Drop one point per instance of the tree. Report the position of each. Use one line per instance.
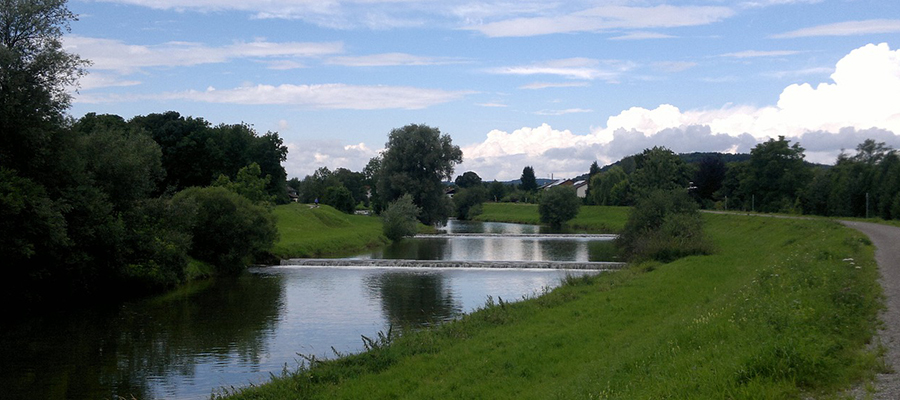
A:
(610, 188)
(467, 202)
(400, 218)
(416, 160)
(658, 168)
(558, 205)
(529, 182)
(340, 198)
(468, 179)
(249, 183)
(496, 191)
(35, 77)
(774, 176)
(709, 177)
(229, 230)
(663, 226)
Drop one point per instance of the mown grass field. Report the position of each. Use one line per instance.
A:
(782, 309)
(594, 219)
(323, 231)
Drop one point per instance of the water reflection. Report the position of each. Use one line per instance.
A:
(148, 349)
(412, 299)
(500, 248)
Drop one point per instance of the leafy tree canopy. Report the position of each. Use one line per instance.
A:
(416, 160)
(529, 182)
(467, 180)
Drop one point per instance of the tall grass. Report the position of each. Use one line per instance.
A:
(784, 309)
(323, 231)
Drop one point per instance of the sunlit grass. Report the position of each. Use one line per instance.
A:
(783, 309)
(323, 231)
(595, 219)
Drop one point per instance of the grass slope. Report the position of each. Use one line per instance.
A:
(784, 309)
(595, 219)
(323, 231)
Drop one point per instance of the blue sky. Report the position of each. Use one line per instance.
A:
(555, 85)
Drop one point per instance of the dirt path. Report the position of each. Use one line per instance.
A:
(887, 254)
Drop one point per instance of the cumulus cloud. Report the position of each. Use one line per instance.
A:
(860, 102)
(305, 157)
(328, 96)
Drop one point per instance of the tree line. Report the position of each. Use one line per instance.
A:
(774, 178)
(100, 206)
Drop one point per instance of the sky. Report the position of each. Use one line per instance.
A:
(555, 85)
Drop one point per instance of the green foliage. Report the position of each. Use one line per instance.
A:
(467, 180)
(400, 218)
(756, 320)
(529, 182)
(558, 205)
(157, 244)
(658, 169)
(496, 191)
(249, 183)
(323, 231)
(610, 188)
(467, 202)
(416, 160)
(772, 179)
(340, 198)
(664, 226)
(229, 229)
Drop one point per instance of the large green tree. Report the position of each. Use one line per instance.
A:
(772, 179)
(417, 159)
(35, 76)
(529, 182)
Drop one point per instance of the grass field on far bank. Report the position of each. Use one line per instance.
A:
(593, 219)
(782, 309)
(323, 231)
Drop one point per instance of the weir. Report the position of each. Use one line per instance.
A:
(520, 235)
(344, 262)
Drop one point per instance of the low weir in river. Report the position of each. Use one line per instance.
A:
(389, 263)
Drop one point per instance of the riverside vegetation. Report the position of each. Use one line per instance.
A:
(782, 309)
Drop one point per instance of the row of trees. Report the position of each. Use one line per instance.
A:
(774, 178)
(101, 205)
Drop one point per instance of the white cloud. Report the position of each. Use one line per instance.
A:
(547, 85)
(861, 100)
(757, 53)
(329, 96)
(107, 54)
(606, 18)
(849, 28)
(305, 157)
(390, 59)
(99, 80)
(564, 112)
(572, 68)
(641, 35)
(674, 66)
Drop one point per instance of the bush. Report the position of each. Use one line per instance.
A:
(230, 230)
(400, 218)
(467, 202)
(558, 205)
(340, 198)
(664, 226)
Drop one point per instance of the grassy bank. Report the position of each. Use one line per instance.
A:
(594, 219)
(783, 309)
(323, 231)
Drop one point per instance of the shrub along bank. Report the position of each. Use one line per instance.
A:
(783, 309)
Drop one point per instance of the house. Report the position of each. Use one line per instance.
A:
(580, 186)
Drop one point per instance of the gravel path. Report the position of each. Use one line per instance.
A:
(887, 254)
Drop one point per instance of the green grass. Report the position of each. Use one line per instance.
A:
(594, 219)
(323, 231)
(783, 309)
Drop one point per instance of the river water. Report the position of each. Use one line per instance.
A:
(236, 331)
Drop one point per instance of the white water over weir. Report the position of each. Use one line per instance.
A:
(357, 263)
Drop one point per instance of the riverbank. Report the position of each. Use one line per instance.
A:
(783, 309)
(590, 219)
(306, 231)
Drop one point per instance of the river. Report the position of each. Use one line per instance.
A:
(237, 331)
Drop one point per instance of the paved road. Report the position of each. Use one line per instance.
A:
(887, 254)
